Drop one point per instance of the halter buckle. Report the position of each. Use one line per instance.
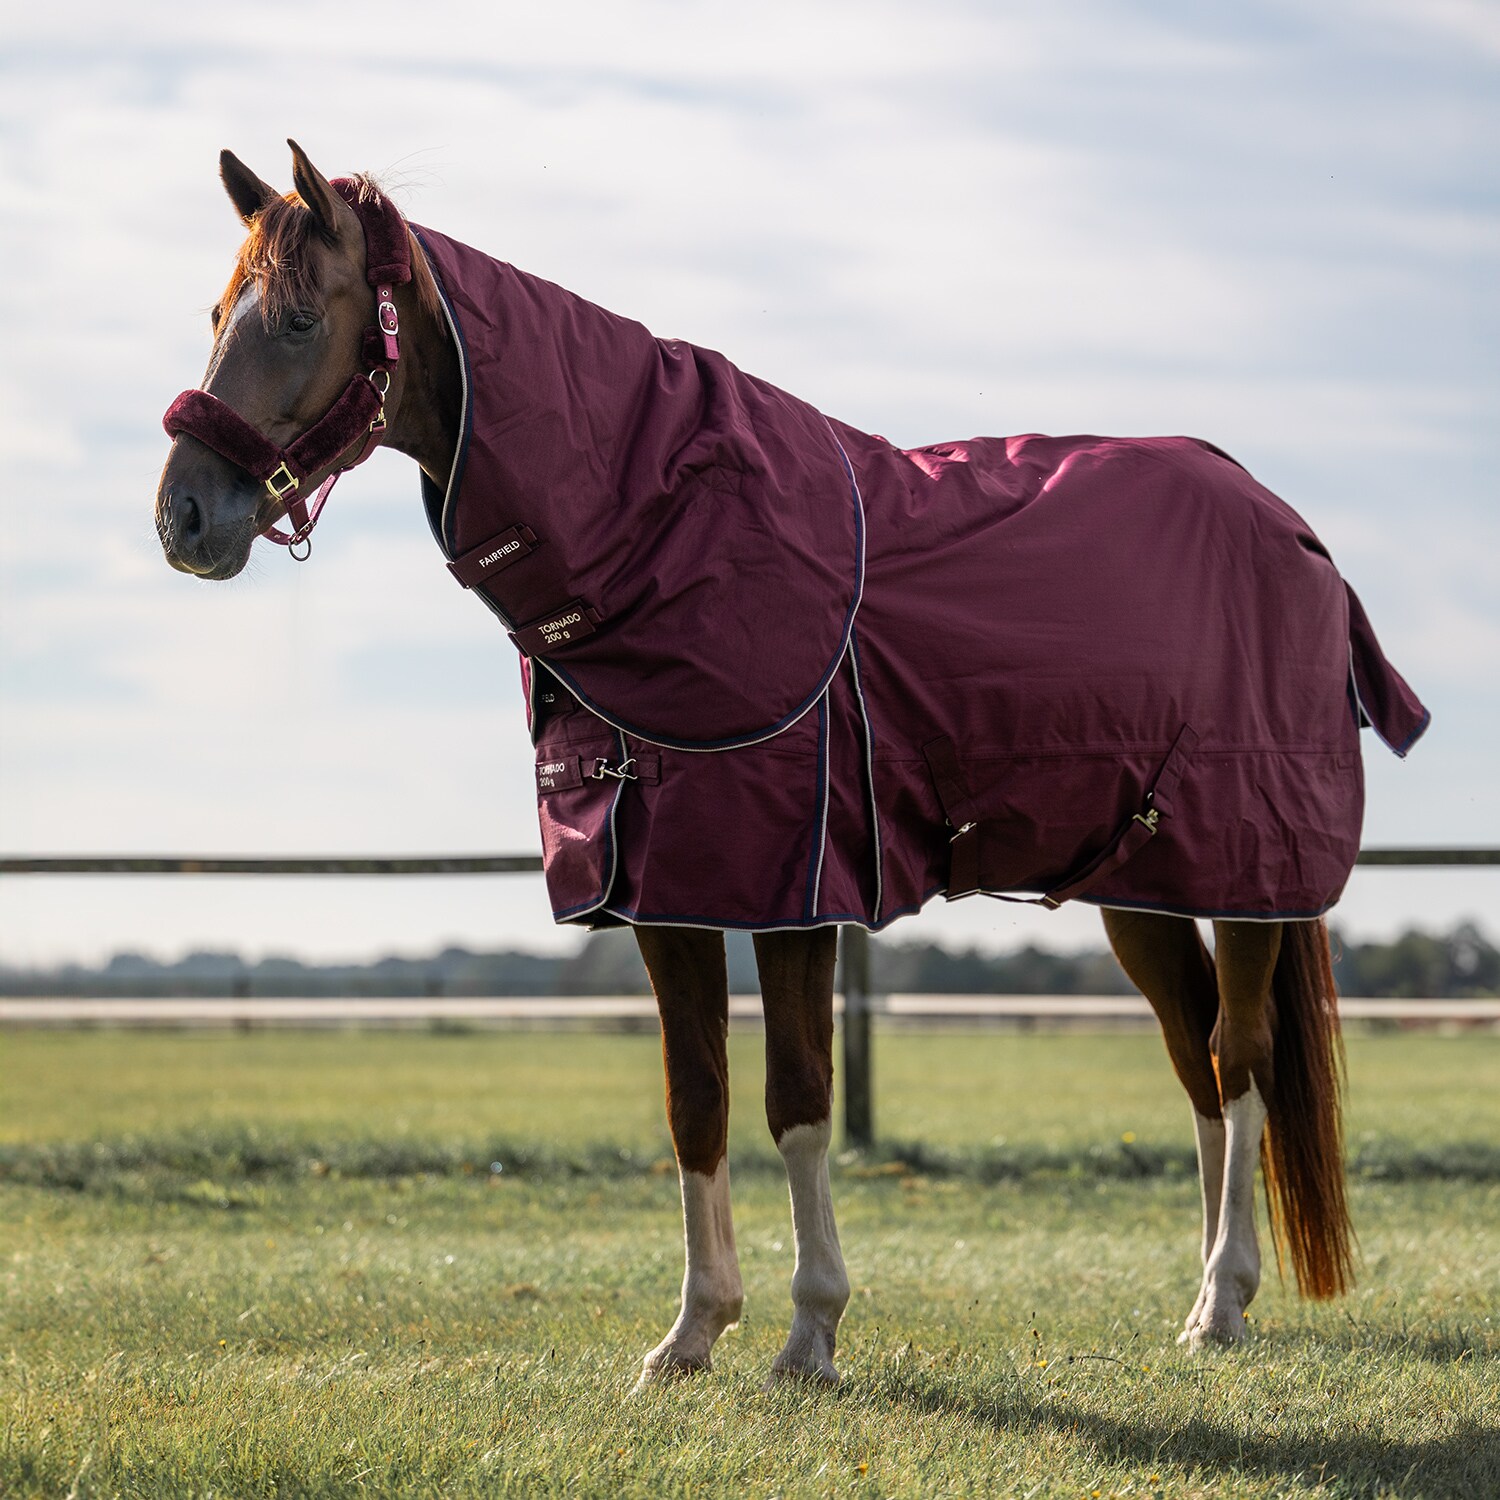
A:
(283, 483)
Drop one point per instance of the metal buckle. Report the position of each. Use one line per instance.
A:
(388, 318)
(962, 831)
(1150, 819)
(622, 772)
(378, 425)
(291, 485)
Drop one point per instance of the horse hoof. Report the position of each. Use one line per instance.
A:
(667, 1364)
(821, 1377)
(1215, 1333)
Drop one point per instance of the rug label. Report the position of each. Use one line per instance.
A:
(493, 556)
(571, 622)
(558, 774)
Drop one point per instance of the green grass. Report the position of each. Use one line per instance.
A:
(281, 1264)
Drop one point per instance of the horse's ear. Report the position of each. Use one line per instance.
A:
(313, 188)
(246, 191)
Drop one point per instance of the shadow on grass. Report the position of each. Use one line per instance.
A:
(1461, 1466)
(171, 1166)
(1446, 1345)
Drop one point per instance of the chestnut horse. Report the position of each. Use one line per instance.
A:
(1251, 1029)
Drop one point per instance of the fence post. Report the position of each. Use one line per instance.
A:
(854, 981)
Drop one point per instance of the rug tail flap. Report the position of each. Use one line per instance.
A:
(1386, 701)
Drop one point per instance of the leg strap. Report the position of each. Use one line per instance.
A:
(965, 870)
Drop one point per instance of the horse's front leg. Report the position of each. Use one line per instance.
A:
(692, 993)
(796, 981)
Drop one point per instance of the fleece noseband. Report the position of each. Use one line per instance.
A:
(359, 410)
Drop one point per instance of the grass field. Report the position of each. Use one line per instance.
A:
(419, 1264)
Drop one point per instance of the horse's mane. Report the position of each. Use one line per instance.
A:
(274, 257)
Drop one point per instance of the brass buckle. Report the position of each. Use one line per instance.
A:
(1150, 819)
(290, 485)
(381, 387)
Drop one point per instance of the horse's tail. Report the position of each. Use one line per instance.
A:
(1302, 1152)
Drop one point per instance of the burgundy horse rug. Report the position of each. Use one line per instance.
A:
(782, 673)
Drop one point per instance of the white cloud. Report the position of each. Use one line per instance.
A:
(1266, 227)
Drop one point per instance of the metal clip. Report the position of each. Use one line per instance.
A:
(962, 831)
(622, 772)
(1150, 819)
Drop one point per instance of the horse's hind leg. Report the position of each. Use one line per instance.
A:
(796, 980)
(692, 993)
(1244, 1043)
(1167, 961)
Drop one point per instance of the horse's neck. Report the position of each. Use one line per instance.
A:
(425, 426)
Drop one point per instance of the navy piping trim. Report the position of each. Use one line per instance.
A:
(1366, 718)
(1414, 736)
(757, 736)
(441, 528)
(708, 924)
(820, 819)
(1205, 914)
(461, 453)
(856, 919)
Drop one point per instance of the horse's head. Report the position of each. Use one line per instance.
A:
(292, 352)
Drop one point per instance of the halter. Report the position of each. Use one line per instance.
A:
(359, 410)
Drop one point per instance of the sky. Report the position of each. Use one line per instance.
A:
(1273, 225)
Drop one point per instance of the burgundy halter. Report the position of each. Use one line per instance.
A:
(359, 410)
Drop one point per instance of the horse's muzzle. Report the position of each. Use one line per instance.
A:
(206, 521)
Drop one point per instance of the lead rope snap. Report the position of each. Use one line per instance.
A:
(622, 772)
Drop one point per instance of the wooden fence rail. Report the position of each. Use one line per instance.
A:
(854, 948)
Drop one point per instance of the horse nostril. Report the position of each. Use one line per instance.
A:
(184, 518)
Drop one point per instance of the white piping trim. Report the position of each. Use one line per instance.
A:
(864, 714)
(824, 757)
(859, 503)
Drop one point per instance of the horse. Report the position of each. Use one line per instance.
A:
(343, 328)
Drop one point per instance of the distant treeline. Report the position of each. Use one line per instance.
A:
(1462, 963)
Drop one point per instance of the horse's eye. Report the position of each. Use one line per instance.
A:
(215, 313)
(301, 322)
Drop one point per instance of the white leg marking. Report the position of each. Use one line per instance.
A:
(1232, 1275)
(820, 1285)
(711, 1291)
(1210, 1137)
